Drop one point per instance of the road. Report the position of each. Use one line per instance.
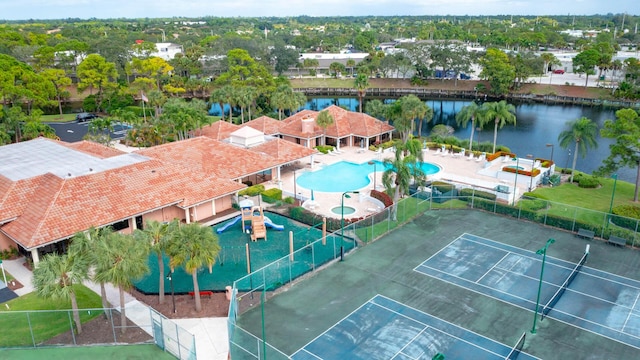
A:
(74, 131)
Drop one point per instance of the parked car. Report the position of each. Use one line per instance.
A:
(558, 71)
(85, 116)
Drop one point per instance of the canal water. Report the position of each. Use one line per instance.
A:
(536, 126)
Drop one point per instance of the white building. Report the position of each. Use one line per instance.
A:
(167, 51)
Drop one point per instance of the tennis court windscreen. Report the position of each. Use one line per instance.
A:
(554, 299)
(517, 349)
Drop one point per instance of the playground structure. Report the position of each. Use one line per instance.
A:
(252, 220)
(255, 216)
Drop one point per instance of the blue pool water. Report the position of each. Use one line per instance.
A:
(346, 176)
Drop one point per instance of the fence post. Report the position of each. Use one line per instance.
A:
(73, 335)
(33, 338)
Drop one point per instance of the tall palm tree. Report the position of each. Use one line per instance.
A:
(581, 132)
(157, 234)
(324, 120)
(468, 113)
(351, 64)
(193, 246)
(55, 276)
(121, 259)
(361, 84)
(220, 96)
(501, 113)
(402, 170)
(414, 109)
(84, 244)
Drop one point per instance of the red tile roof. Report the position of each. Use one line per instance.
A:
(219, 130)
(93, 148)
(345, 123)
(265, 124)
(61, 207)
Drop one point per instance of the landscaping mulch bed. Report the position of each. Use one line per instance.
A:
(216, 305)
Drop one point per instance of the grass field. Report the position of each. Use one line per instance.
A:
(42, 317)
(128, 352)
(58, 118)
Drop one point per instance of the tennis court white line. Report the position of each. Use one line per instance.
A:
(445, 321)
(493, 267)
(439, 251)
(409, 343)
(620, 331)
(630, 312)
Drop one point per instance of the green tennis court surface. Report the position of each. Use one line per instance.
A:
(307, 310)
(127, 352)
(386, 329)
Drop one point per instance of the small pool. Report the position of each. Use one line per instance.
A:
(515, 167)
(348, 210)
(347, 176)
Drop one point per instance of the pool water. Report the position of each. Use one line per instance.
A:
(348, 210)
(347, 176)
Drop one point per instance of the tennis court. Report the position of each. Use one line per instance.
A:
(303, 314)
(386, 329)
(595, 300)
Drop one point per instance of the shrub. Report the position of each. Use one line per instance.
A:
(497, 154)
(252, 190)
(626, 216)
(588, 182)
(289, 200)
(383, 197)
(442, 186)
(324, 148)
(477, 194)
(272, 195)
(533, 204)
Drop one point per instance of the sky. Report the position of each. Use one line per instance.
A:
(105, 9)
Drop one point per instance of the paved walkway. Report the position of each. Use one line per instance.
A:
(212, 341)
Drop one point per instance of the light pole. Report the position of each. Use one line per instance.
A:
(173, 297)
(568, 157)
(552, 147)
(542, 252)
(374, 173)
(515, 182)
(344, 195)
(613, 193)
(533, 166)
(295, 194)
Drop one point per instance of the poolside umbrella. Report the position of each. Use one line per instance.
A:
(312, 197)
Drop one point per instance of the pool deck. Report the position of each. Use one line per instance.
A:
(458, 169)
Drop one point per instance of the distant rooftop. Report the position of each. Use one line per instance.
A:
(40, 156)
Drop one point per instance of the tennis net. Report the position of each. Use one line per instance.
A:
(517, 349)
(554, 299)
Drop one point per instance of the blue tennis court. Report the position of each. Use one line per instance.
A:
(386, 329)
(596, 301)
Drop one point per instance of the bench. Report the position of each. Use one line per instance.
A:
(616, 240)
(202, 293)
(585, 234)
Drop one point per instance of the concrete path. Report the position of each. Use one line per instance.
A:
(212, 341)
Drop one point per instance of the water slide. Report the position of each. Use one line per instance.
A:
(227, 225)
(271, 225)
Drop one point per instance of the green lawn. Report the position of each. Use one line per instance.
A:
(128, 352)
(14, 320)
(598, 199)
(57, 118)
(322, 82)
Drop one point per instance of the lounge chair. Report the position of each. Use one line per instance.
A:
(470, 157)
(438, 152)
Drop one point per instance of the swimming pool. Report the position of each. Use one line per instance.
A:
(346, 176)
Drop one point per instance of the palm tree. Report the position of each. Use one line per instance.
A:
(324, 120)
(350, 64)
(219, 96)
(193, 246)
(469, 112)
(404, 168)
(582, 132)
(120, 260)
(55, 276)
(501, 113)
(415, 109)
(84, 244)
(361, 84)
(157, 234)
